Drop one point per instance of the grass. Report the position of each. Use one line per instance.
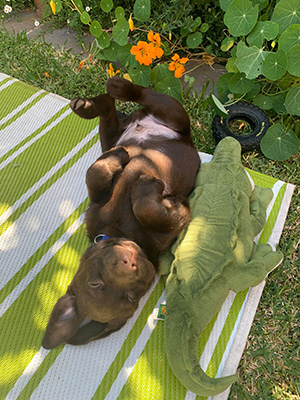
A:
(270, 366)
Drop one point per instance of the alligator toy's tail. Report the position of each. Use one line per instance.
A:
(181, 349)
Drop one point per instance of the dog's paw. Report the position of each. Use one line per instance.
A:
(122, 89)
(83, 107)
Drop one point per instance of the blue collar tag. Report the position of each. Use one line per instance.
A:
(100, 237)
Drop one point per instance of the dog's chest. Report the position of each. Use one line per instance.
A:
(145, 130)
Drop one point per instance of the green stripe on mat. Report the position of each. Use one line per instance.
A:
(9, 100)
(38, 300)
(45, 186)
(5, 80)
(35, 258)
(35, 161)
(23, 111)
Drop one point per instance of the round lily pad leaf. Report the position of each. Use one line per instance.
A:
(204, 27)
(103, 40)
(85, 18)
(278, 103)
(263, 102)
(230, 65)
(140, 75)
(194, 40)
(262, 30)
(239, 84)
(293, 56)
(249, 60)
(106, 5)
(78, 4)
(274, 65)
(120, 31)
(170, 86)
(279, 144)
(119, 12)
(224, 4)
(160, 72)
(241, 17)
(126, 57)
(292, 101)
(112, 52)
(227, 43)
(142, 9)
(289, 38)
(95, 28)
(286, 13)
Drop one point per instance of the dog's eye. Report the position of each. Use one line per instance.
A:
(130, 297)
(99, 284)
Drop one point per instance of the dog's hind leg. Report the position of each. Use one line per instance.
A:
(100, 175)
(155, 211)
(163, 108)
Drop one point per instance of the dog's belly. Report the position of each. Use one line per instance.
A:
(145, 130)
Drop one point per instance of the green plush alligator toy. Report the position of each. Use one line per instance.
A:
(214, 254)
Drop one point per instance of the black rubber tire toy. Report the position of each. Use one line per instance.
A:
(256, 118)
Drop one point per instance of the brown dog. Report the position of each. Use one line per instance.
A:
(138, 192)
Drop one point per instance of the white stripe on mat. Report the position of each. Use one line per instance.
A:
(8, 83)
(96, 357)
(29, 122)
(135, 353)
(15, 293)
(47, 176)
(44, 216)
(20, 107)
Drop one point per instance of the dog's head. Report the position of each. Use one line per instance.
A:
(112, 277)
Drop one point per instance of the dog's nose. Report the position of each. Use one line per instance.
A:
(128, 263)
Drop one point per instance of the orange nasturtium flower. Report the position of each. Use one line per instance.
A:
(53, 7)
(155, 42)
(111, 71)
(130, 22)
(144, 52)
(177, 65)
(46, 74)
(81, 64)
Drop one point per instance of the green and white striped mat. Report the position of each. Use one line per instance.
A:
(45, 151)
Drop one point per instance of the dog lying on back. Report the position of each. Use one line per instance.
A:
(138, 192)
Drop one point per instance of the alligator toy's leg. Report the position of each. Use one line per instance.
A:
(263, 260)
(259, 201)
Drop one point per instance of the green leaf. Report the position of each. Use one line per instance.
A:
(274, 65)
(140, 75)
(142, 9)
(241, 17)
(120, 32)
(286, 13)
(222, 86)
(160, 72)
(78, 4)
(224, 4)
(196, 23)
(170, 86)
(218, 106)
(279, 144)
(293, 56)
(58, 6)
(262, 30)
(106, 5)
(239, 84)
(103, 40)
(112, 52)
(204, 27)
(254, 91)
(227, 43)
(264, 102)
(230, 65)
(194, 40)
(249, 60)
(95, 28)
(85, 18)
(278, 103)
(125, 56)
(292, 101)
(119, 12)
(289, 38)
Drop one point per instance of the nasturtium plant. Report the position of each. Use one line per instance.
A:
(264, 66)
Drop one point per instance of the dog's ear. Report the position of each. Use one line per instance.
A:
(64, 322)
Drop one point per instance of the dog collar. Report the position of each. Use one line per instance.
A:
(100, 237)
